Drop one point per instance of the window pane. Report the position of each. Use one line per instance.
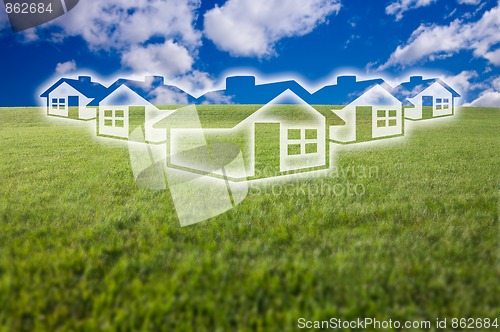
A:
(311, 148)
(119, 114)
(380, 123)
(54, 100)
(311, 134)
(438, 100)
(293, 133)
(119, 123)
(393, 113)
(293, 149)
(446, 100)
(438, 107)
(108, 113)
(108, 123)
(61, 100)
(392, 123)
(381, 113)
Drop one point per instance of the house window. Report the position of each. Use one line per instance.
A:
(302, 141)
(387, 118)
(58, 103)
(442, 103)
(114, 118)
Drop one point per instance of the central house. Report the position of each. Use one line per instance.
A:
(284, 136)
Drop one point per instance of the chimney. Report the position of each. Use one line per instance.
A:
(346, 80)
(238, 83)
(416, 79)
(84, 79)
(154, 81)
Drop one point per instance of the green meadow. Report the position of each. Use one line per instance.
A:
(82, 248)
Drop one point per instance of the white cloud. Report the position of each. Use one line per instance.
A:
(118, 24)
(489, 98)
(253, 27)
(469, 2)
(127, 27)
(162, 96)
(65, 67)
(196, 82)
(215, 97)
(431, 42)
(493, 57)
(169, 59)
(399, 7)
(151, 37)
(464, 81)
(496, 84)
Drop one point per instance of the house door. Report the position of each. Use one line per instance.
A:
(267, 149)
(427, 107)
(73, 103)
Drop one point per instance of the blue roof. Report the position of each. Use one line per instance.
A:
(347, 90)
(143, 89)
(243, 90)
(83, 84)
(417, 84)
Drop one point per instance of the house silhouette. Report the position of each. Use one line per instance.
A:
(368, 110)
(70, 97)
(428, 98)
(129, 104)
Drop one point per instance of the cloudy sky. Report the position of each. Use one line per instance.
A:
(195, 44)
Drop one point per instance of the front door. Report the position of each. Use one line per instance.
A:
(73, 103)
(427, 107)
(267, 150)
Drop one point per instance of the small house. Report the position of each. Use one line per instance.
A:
(365, 110)
(69, 98)
(429, 98)
(129, 105)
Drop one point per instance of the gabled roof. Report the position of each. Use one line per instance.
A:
(83, 84)
(146, 90)
(229, 116)
(243, 90)
(347, 90)
(417, 84)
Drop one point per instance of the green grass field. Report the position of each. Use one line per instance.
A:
(83, 248)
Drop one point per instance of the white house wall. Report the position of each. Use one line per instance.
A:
(303, 160)
(347, 132)
(87, 113)
(378, 98)
(64, 91)
(378, 132)
(415, 112)
(153, 116)
(122, 99)
(121, 132)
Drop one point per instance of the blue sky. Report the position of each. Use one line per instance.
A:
(195, 44)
